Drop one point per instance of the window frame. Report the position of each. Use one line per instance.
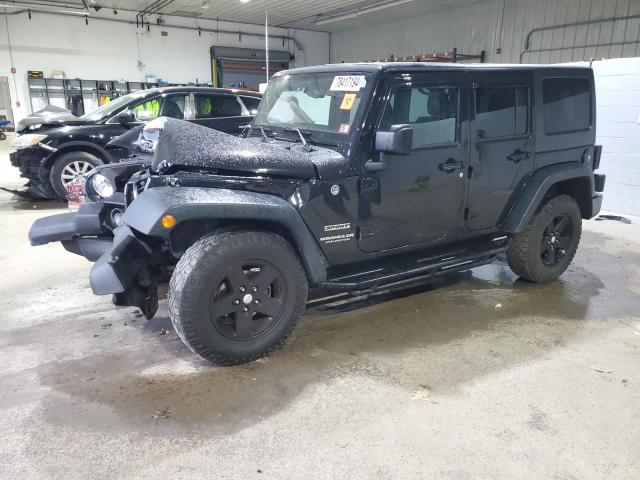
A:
(514, 86)
(425, 84)
(544, 110)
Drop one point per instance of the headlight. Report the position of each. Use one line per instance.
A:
(24, 141)
(102, 185)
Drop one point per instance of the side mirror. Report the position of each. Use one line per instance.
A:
(125, 117)
(398, 139)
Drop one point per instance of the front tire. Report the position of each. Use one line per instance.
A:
(236, 296)
(70, 167)
(544, 250)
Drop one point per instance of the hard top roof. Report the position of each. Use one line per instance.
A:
(375, 67)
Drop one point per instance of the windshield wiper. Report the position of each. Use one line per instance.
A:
(249, 128)
(305, 145)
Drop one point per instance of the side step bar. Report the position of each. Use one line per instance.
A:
(374, 280)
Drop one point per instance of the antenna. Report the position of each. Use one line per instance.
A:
(266, 41)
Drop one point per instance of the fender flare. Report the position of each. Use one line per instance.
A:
(192, 203)
(535, 189)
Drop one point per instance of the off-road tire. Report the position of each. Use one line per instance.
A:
(525, 252)
(63, 161)
(196, 279)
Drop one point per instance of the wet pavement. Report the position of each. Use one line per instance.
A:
(474, 375)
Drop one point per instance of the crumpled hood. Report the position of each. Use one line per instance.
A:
(47, 120)
(178, 143)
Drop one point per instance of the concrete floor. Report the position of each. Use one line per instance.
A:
(475, 376)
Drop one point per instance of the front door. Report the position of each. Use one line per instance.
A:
(419, 198)
(501, 152)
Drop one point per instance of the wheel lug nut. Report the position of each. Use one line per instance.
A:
(236, 302)
(256, 301)
(255, 289)
(245, 309)
(242, 289)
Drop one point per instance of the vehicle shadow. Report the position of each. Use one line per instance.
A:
(444, 334)
(16, 202)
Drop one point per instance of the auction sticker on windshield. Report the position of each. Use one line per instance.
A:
(347, 83)
(347, 101)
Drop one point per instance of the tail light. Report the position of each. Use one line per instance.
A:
(597, 154)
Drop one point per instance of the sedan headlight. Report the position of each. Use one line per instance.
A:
(102, 185)
(28, 140)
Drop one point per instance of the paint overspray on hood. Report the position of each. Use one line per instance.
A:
(177, 143)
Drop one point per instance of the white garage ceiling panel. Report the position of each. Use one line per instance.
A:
(294, 13)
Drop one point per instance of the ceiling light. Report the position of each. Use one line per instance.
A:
(245, 1)
(361, 11)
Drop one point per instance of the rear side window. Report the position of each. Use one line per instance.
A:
(432, 111)
(567, 104)
(216, 106)
(501, 111)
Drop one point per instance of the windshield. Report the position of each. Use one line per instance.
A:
(314, 102)
(113, 106)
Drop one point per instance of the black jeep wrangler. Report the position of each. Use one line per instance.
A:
(355, 177)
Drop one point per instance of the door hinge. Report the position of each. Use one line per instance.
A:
(365, 232)
(368, 184)
(466, 214)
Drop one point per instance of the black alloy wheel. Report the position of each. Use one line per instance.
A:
(249, 299)
(556, 240)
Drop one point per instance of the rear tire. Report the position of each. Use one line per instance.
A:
(544, 250)
(236, 296)
(70, 166)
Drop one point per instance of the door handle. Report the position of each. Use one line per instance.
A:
(518, 156)
(373, 166)
(451, 165)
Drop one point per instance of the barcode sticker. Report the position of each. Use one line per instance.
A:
(348, 83)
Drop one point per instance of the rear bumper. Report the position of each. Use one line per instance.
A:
(596, 204)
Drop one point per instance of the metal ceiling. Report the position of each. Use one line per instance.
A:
(326, 15)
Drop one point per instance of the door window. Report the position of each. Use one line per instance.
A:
(163, 106)
(217, 106)
(432, 111)
(501, 111)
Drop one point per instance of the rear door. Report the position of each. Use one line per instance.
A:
(502, 148)
(219, 111)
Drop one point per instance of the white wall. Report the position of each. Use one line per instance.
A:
(618, 131)
(104, 50)
(480, 26)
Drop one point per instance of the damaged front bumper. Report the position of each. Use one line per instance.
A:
(125, 270)
(30, 163)
(125, 265)
(87, 232)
